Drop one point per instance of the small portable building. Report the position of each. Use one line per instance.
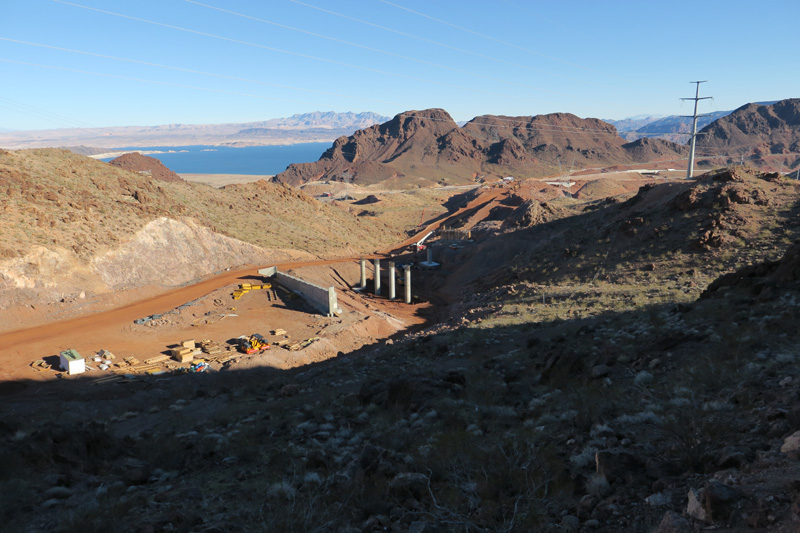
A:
(72, 362)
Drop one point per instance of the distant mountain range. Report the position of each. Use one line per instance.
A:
(317, 126)
(674, 128)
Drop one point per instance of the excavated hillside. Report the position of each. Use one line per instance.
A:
(766, 136)
(426, 147)
(72, 225)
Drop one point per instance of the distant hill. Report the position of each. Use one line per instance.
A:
(318, 126)
(428, 147)
(767, 136)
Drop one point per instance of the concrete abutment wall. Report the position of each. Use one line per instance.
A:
(322, 299)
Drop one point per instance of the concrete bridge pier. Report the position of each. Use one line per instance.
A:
(408, 285)
(391, 281)
(363, 273)
(377, 277)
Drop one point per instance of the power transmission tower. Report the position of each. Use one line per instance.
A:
(690, 169)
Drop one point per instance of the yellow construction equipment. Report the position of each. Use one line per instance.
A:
(253, 343)
(244, 288)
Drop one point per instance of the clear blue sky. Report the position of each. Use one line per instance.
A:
(146, 62)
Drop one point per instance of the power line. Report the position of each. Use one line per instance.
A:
(364, 47)
(256, 45)
(484, 36)
(342, 41)
(417, 37)
(181, 69)
(155, 82)
(43, 114)
(549, 127)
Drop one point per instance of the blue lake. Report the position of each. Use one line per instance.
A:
(224, 160)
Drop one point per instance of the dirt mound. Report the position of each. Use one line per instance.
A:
(149, 166)
(531, 213)
(605, 187)
(429, 145)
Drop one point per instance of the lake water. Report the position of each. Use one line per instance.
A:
(224, 160)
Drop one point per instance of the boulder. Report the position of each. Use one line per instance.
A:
(792, 443)
(695, 507)
(673, 523)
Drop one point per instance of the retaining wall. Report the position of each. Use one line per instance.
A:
(322, 299)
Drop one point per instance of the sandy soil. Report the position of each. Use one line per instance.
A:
(221, 180)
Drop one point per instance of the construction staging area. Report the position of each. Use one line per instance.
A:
(301, 312)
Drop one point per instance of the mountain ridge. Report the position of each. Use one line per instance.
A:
(427, 147)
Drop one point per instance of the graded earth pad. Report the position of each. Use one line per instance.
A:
(207, 310)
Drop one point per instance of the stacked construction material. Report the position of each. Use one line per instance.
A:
(184, 353)
(209, 347)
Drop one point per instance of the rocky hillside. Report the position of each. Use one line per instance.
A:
(428, 147)
(763, 135)
(74, 225)
(630, 368)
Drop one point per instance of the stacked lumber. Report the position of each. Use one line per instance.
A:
(302, 344)
(40, 365)
(209, 347)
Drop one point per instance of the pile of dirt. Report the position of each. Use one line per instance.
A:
(429, 144)
(148, 166)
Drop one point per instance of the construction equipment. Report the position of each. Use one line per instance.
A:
(244, 288)
(420, 244)
(252, 344)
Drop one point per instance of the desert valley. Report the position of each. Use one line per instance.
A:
(538, 325)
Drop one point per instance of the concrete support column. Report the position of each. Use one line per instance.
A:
(363, 273)
(391, 281)
(377, 277)
(430, 255)
(408, 285)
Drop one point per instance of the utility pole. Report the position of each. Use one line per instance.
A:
(690, 169)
